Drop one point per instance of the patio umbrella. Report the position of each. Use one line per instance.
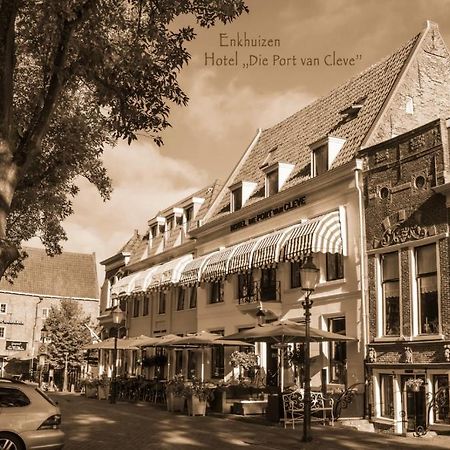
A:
(283, 332)
(108, 344)
(205, 339)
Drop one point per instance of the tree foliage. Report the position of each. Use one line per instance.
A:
(67, 333)
(76, 75)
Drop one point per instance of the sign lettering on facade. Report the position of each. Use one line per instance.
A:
(11, 322)
(268, 214)
(16, 345)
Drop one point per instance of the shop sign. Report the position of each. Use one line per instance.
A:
(16, 345)
(268, 214)
(11, 322)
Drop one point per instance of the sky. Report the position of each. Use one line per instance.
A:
(228, 103)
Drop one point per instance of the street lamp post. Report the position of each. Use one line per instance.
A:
(42, 352)
(309, 274)
(117, 316)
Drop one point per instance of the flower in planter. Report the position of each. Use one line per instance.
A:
(200, 389)
(176, 385)
(414, 384)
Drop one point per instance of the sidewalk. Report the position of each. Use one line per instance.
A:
(95, 425)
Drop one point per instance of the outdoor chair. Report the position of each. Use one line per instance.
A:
(293, 408)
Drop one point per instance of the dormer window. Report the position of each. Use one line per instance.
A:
(236, 199)
(272, 179)
(189, 213)
(320, 160)
(324, 153)
(276, 175)
(169, 223)
(240, 193)
(154, 230)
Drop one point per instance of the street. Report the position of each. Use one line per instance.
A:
(95, 425)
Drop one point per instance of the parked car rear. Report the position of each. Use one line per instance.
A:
(29, 419)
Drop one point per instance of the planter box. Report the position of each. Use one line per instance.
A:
(178, 403)
(196, 407)
(175, 403)
(90, 391)
(103, 392)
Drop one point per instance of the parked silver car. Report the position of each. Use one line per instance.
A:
(29, 419)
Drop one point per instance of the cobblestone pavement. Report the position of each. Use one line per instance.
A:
(92, 424)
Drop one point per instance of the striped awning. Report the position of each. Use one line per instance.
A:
(267, 250)
(192, 271)
(123, 286)
(216, 267)
(142, 280)
(240, 260)
(322, 234)
(169, 272)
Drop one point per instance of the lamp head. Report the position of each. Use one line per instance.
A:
(309, 274)
(117, 315)
(261, 316)
(44, 332)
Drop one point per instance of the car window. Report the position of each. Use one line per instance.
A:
(12, 398)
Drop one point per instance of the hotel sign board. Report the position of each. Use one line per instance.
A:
(16, 345)
(269, 213)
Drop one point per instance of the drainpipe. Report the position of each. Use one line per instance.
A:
(362, 245)
(363, 274)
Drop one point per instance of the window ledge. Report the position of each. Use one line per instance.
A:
(427, 337)
(215, 303)
(338, 282)
(322, 284)
(391, 339)
(383, 420)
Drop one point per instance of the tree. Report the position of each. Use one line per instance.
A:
(76, 75)
(67, 334)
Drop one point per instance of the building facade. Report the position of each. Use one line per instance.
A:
(41, 285)
(406, 183)
(300, 189)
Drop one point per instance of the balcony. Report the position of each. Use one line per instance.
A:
(258, 292)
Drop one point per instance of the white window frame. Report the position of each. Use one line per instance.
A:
(415, 310)
(380, 305)
(233, 198)
(276, 170)
(45, 312)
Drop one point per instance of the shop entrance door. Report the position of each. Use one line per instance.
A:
(272, 365)
(414, 404)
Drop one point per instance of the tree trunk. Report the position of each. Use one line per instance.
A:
(8, 183)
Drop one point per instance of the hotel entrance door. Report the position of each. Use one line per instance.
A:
(413, 402)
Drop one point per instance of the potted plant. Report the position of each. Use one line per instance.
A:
(414, 384)
(245, 361)
(90, 387)
(103, 385)
(197, 394)
(175, 393)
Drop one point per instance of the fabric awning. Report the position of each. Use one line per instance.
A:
(240, 260)
(322, 234)
(169, 272)
(123, 286)
(267, 250)
(142, 280)
(190, 275)
(216, 267)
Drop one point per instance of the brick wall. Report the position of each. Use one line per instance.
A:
(401, 207)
